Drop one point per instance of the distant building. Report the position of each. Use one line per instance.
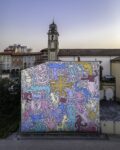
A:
(15, 58)
(115, 71)
(18, 49)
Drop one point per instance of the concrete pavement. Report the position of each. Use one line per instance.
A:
(11, 143)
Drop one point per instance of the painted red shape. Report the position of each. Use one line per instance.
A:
(63, 100)
(27, 96)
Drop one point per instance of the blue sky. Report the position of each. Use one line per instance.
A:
(81, 23)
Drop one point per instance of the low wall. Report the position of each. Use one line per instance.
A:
(110, 127)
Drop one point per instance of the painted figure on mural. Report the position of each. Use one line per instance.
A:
(79, 124)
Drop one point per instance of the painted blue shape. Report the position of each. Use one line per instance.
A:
(70, 125)
(36, 118)
(55, 74)
(83, 90)
(36, 96)
(70, 93)
(57, 65)
(39, 88)
(86, 92)
(57, 115)
(62, 107)
(26, 126)
(40, 126)
(71, 112)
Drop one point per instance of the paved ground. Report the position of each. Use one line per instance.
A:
(11, 143)
(110, 110)
(70, 143)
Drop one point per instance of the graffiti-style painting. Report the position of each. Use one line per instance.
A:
(60, 96)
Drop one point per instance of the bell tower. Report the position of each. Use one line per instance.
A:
(53, 42)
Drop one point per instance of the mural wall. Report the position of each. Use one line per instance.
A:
(60, 96)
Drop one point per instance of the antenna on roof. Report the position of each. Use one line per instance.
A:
(53, 20)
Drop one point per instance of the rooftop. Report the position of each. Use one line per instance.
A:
(20, 54)
(89, 52)
(117, 59)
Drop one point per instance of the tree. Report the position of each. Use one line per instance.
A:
(9, 106)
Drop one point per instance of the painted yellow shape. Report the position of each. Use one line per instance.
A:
(62, 125)
(87, 67)
(92, 108)
(60, 85)
(92, 115)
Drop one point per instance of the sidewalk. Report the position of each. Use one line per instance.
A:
(11, 143)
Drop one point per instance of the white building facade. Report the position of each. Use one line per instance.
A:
(105, 61)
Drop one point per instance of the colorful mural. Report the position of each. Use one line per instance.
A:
(60, 96)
